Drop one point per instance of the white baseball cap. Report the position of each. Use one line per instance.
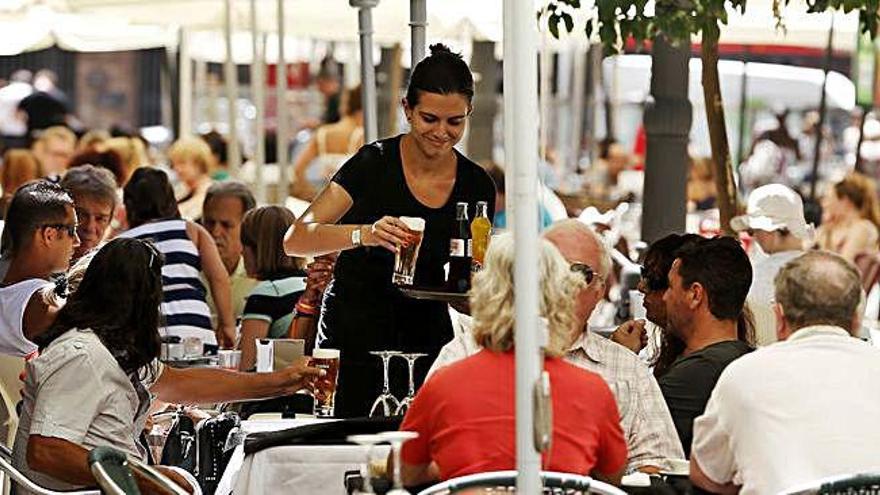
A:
(774, 207)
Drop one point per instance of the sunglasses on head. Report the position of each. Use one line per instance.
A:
(585, 270)
(69, 228)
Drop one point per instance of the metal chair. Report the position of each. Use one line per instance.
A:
(563, 483)
(848, 484)
(18, 478)
(114, 472)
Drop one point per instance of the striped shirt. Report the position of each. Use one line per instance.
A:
(272, 301)
(184, 308)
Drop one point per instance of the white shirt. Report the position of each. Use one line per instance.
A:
(762, 294)
(10, 96)
(647, 426)
(792, 413)
(13, 301)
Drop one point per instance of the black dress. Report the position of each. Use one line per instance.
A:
(362, 310)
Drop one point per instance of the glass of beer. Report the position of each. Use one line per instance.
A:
(408, 254)
(325, 386)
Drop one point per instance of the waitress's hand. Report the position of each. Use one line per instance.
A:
(388, 232)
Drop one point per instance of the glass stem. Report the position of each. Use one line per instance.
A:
(412, 382)
(386, 386)
(398, 481)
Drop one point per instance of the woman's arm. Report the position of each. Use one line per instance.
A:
(251, 330)
(301, 186)
(218, 279)
(315, 232)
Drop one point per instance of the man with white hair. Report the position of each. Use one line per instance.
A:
(775, 219)
(799, 410)
(647, 425)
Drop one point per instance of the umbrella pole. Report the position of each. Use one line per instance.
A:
(233, 155)
(257, 94)
(814, 177)
(418, 21)
(185, 88)
(368, 69)
(521, 145)
(281, 138)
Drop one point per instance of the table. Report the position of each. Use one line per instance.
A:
(293, 469)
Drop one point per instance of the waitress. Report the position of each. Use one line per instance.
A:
(417, 174)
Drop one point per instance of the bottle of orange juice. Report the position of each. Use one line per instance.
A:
(481, 232)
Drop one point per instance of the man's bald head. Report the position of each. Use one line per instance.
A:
(819, 288)
(578, 242)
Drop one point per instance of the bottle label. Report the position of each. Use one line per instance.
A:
(460, 247)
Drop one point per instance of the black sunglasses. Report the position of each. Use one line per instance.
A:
(69, 228)
(585, 270)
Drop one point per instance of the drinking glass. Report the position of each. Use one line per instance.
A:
(407, 255)
(325, 386)
(386, 400)
(397, 439)
(367, 441)
(411, 362)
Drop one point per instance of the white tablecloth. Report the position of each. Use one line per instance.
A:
(295, 469)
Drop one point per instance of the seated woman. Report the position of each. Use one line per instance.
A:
(105, 337)
(464, 414)
(190, 250)
(850, 217)
(268, 310)
(192, 161)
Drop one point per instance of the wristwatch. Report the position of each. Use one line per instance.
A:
(356, 237)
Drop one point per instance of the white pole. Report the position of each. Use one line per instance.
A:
(368, 70)
(257, 93)
(230, 76)
(281, 138)
(418, 21)
(521, 145)
(185, 86)
(577, 103)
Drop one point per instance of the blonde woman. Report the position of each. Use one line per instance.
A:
(192, 161)
(850, 217)
(464, 414)
(19, 168)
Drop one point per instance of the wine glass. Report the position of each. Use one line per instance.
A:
(411, 362)
(397, 439)
(368, 441)
(386, 400)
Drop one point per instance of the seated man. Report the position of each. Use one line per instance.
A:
(465, 414)
(802, 409)
(647, 426)
(707, 290)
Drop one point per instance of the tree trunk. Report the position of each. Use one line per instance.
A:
(728, 203)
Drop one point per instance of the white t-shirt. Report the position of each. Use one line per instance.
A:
(13, 301)
(792, 413)
(762, 294)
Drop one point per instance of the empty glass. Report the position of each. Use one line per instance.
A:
(388, 402)
(397, 439)
(367, 441)
(411, 358)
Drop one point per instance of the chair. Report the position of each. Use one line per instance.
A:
(553, 483)
(114, 472)
(848, 484)
(20, 479)
(11, 368)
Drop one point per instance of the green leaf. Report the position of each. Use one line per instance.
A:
(569, 22)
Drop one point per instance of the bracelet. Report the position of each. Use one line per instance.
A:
(303, 308)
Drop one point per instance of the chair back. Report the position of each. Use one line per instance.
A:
(849, 484)
(552, 481)
(11, 368)
(110, 468)
(869, 269)
(153, 475)
(18, 478)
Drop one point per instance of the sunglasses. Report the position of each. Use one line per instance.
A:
(585, 270)
(69, 228)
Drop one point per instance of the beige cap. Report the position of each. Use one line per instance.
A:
(774, 207)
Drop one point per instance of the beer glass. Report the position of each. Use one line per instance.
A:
(408, 254)
(325, 386)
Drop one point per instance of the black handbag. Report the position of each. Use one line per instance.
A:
(212, 452)
(180, 446)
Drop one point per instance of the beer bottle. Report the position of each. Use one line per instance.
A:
(460, 252)
(481, 232)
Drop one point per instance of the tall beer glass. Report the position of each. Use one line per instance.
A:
(408, 254)
(325, 386)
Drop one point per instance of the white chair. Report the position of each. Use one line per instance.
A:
(20, 479)
(10, 393)
(500, 479)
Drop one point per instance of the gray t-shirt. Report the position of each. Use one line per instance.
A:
(76, 391)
